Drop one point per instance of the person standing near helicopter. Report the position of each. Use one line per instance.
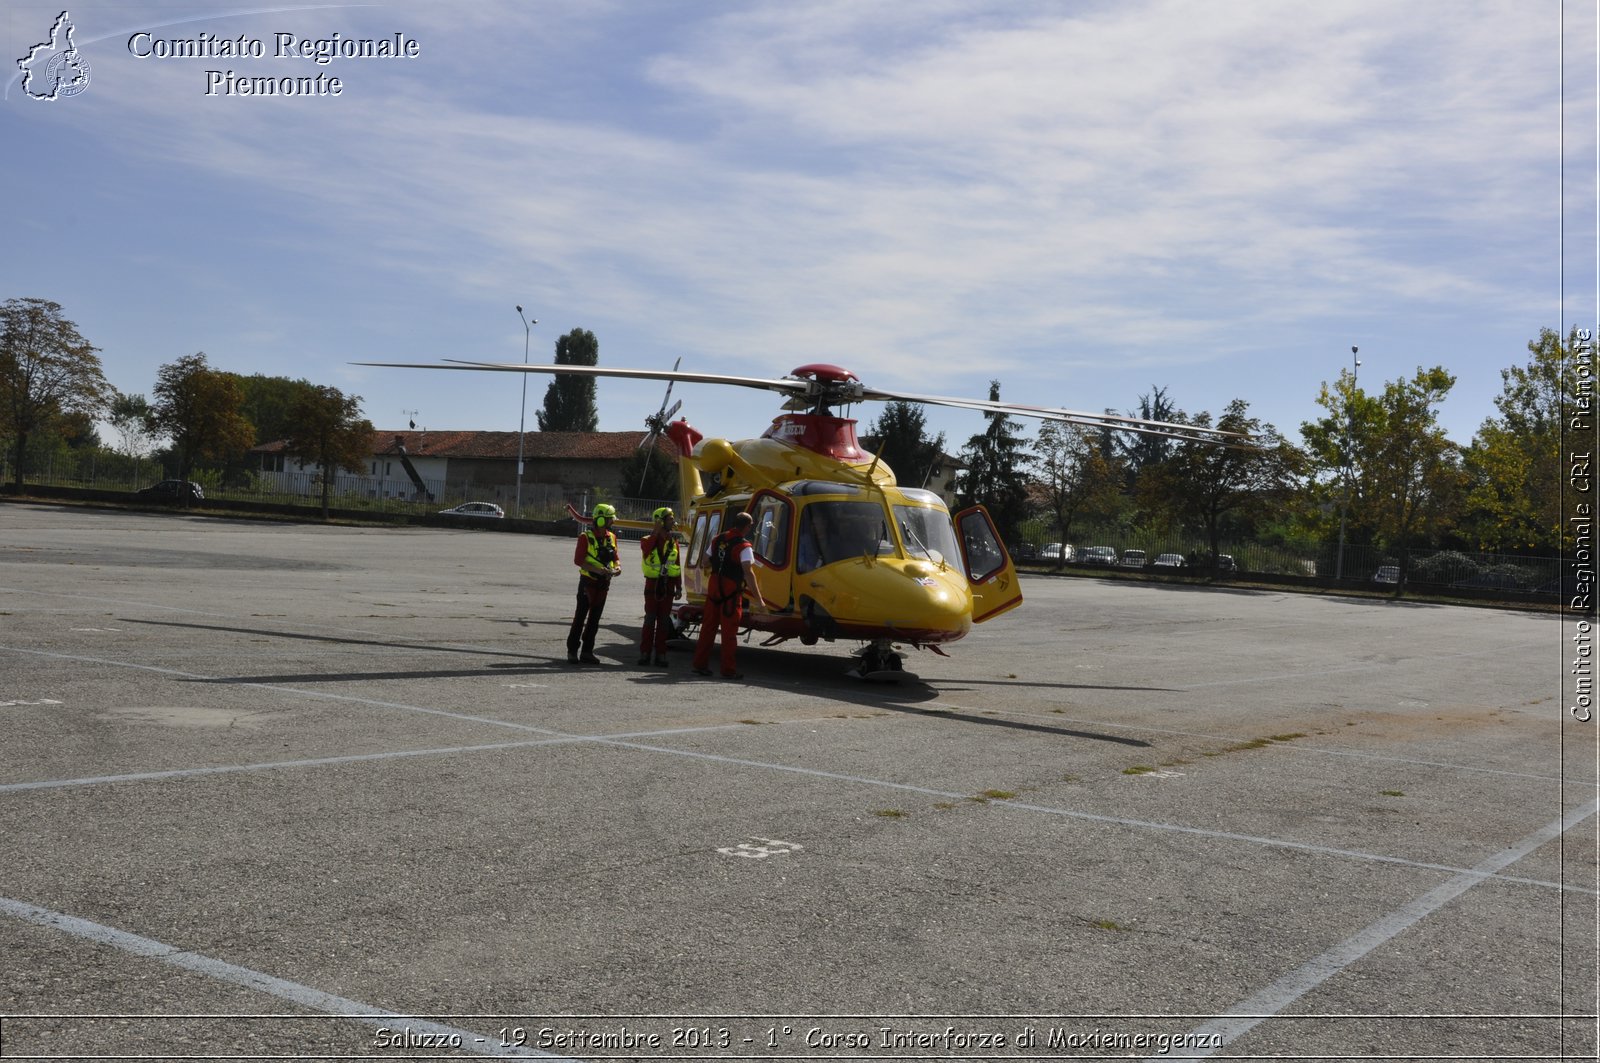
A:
(596, 558)
(663, 583)
(732, 576)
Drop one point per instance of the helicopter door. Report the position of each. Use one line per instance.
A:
(990, 573)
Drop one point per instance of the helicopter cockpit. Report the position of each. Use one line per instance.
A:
(833, 529)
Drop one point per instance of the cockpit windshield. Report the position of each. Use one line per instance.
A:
(837, 531)
(928, 533)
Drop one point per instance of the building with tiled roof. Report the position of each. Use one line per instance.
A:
(478, 466)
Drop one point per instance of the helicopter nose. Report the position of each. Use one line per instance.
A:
(916, 600)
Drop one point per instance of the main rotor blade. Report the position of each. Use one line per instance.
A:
(1115, 421)
(803, 393)
(785, 387)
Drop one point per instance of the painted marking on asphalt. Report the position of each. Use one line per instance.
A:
(1268, 1002)
(221, 970)
(20, 704)
(768, 847)
(1093, 817)
(623, 742)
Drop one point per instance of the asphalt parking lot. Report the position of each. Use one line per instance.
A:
(274, 791)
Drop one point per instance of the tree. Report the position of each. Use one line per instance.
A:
(1208, 482)
(1515, 462)
(130, 417)
(268, 401)
(325, 428)
(902, 443)
(569, 404)
(1142, 451)
(198, 409)
(652, 472)
(47, 371)
(1402, 474)
(1074, 471)
(995, 474)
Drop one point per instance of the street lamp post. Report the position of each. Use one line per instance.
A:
(1349, 430)
(522, 422)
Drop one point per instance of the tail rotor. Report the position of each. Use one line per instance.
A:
(657, 423)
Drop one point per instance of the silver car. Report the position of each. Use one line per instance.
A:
(474, 509)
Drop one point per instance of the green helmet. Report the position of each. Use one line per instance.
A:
(664, 513)
(604, 513)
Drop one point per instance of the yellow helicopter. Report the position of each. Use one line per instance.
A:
(849, 552)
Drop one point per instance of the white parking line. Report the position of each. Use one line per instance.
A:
(353, 758)
(305, 996)
(1268, 1002)
(624, 742)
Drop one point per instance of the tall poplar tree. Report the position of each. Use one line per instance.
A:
(995, 476)
(569, 404)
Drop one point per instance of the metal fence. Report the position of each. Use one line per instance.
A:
(1364, 565)
(378, 495)
(1511, 575)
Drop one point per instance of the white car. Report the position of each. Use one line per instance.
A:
(474, 509)
(1169, 561)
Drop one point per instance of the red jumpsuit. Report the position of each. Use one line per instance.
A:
(724, 608)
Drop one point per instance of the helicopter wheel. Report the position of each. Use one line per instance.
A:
(880, 663)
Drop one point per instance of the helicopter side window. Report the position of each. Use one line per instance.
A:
(706, 526)
(983, 552)
(839, 531)
(771, 535)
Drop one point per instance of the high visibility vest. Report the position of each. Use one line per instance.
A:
(602, 548)
(663, 561)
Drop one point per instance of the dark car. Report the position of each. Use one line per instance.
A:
(1388, 575)
(172, 491)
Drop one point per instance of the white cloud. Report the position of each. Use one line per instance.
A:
(936, 192)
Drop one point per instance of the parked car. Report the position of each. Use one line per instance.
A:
(474, 509)
(1387, 574)
(1057, 552)
(1131, 559)
(1169, 561)
(1226, 563)
(1099, 555)
(1024, 552)
(172, 491)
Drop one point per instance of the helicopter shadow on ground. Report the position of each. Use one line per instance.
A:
(521, 663)
(772, 670)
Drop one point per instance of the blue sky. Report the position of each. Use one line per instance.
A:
(1081, 200)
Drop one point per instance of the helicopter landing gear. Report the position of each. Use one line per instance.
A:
(880, 662)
